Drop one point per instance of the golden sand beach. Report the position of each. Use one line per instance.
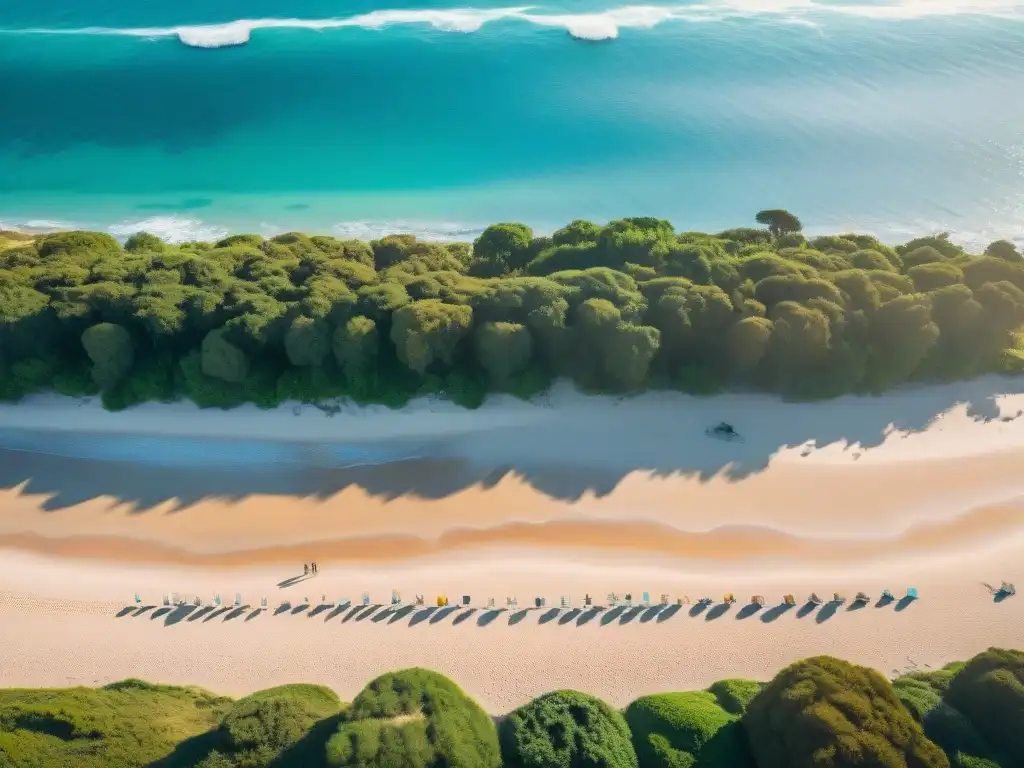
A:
(572, 496)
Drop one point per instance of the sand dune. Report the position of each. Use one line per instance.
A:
(573, 495)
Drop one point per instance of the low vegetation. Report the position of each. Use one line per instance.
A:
(629, 305)
(566, 729)
(817, 713)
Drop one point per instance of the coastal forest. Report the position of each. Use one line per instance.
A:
(618, 308)
(817, 713)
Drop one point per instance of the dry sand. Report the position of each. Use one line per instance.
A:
(570, 496)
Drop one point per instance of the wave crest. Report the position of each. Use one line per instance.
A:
(599, 25)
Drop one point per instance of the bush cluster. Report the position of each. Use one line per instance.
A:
(619, 307)
(817, 713)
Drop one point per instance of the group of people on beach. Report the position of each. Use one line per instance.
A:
(308, 568)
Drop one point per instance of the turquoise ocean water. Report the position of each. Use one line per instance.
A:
(195, 117)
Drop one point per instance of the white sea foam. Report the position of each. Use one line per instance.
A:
(169, 229)
(424, 230)
(599, 25)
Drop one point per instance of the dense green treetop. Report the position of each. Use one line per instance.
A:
(617, 307)
(827, 713)
(414, 718)
(566, 729)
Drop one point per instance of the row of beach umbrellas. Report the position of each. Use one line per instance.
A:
(613, 600)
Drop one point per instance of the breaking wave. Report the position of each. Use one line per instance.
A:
(599, 25)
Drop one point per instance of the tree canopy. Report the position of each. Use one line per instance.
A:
(414, 718)
(618, 307)
(566, 729)
(827, 713)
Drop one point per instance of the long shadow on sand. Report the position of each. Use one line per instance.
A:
(866, 422)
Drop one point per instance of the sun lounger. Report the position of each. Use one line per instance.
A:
(729, 598)
(815, 599)
(419, 599)
(706, 601)
(238, 599)
(862, 597)
(664, 599)
(789, 600)
(588, 601)
(490, 603)
(216, 600)
(757, 600)
(263, 602)
(565, 602)
(197, 602)
(1006, 589)
(366, 598)
(511, 603)
(174, 599)
(629, 600)
(684, 600)
(167, 599)
(613, 599)
(466, 600)
(442, 601)
(888, 595)
(396, 597)
(838, 599)
(138, 600)
(645, 599)
(912, 593)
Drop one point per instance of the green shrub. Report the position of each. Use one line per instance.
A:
(826, 713)
(414, 718)
(689, 728)
(735, 694)
(989, 690)
(566, 729)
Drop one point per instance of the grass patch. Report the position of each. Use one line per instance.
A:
(130, 723)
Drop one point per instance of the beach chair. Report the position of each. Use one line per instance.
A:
(814, 599)
(564, 602)
(664, 600)
(706, 601)
(167, 599)
(419, 600)
(888, 595)
(838, 599)
(912, 593)
(645, 599)
(238, 599)
(138, 600)
(729, 598)
(216, 600)
(396, 597)
(537, 602)
(466, 600)
(613, 599)
(197, 602)
(442, 601)
(757, 600)
(588, 601)
(174, 598)
(789, 600)
(629, 600)
(1006, 589)
(862, 597)
(511, 603)
(684, 600)
(490, 603)
(263, 602)
(366, 598)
